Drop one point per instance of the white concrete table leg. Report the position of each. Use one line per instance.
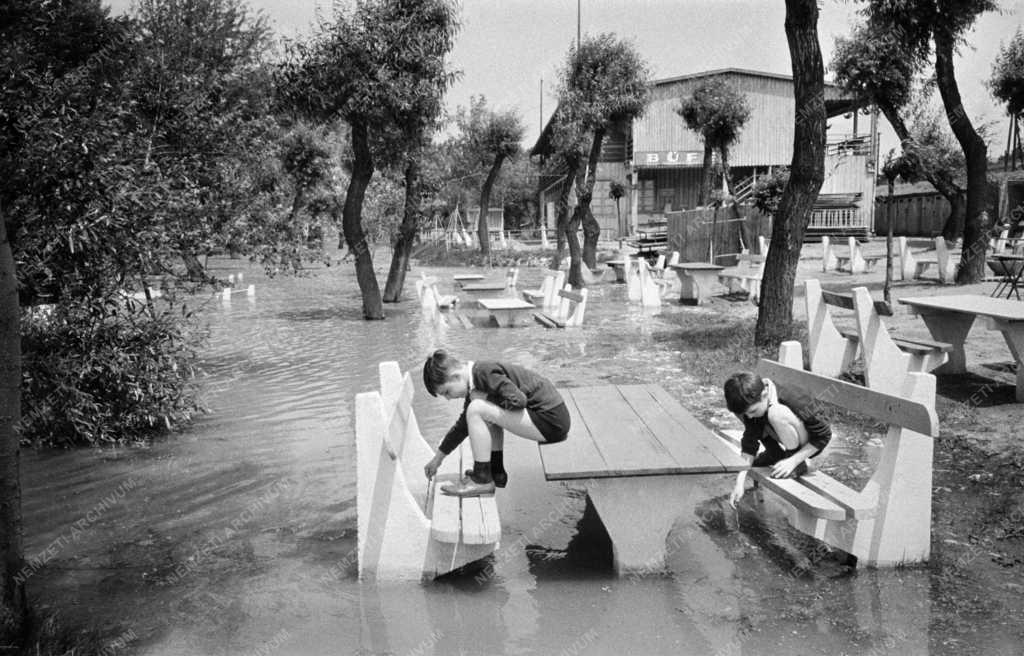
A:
(639, 511)
(1013, 333)
(950, 327)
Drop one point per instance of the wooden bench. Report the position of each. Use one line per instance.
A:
(749, 282)
(856, 261)
(829, 261)
(646, 463)
(888, 522)
(887, 359)
(641, 285)
(547, 295)
(569, 313)
(943, 261)
(408, 530)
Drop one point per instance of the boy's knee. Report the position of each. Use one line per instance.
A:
(479, 407)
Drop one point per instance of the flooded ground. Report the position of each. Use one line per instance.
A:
(238, 535)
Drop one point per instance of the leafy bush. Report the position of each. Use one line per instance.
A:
(106, 371)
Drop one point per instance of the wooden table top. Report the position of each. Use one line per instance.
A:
(697, 266)
(485, 286)
(633, 430)
(467, 276)
(506, 304)
(999, 308)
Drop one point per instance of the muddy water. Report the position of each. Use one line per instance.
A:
(238, 536)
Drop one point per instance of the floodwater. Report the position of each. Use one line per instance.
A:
(238, 536)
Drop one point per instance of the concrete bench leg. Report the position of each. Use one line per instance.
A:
(639, 512)
(951, 328)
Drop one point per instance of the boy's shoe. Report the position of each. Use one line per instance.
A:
(500, 478)
(467, 487)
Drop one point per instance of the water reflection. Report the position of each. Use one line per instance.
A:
(239, 535)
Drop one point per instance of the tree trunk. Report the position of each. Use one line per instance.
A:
(886, 289)
(193, 267)
(406, 232)
(775, 314)
(591, 228)
(562, 220)
(352, 222)
(13, 605)
(706, 175)
(977, 223)
(726, 171)
(485, 203)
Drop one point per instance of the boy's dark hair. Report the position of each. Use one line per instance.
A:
(437, 369)
(743, 390)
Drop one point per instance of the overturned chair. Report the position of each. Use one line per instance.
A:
(407, 528)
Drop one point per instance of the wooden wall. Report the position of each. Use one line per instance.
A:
(691, 233)
(913, 215)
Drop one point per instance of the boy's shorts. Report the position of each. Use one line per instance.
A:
(553, 424)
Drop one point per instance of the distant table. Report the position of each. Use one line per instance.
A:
(620, 269)
(508, 312)
(695, 280)
(949, 319)
(646, 462)
(463, 278)
(1010, 267)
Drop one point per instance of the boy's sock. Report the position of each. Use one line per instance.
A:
(481, 472)
(498, 468)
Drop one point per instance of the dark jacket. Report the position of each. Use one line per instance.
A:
(508, 386)
(757, 430)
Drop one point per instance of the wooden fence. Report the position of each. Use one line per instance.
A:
(913, 215)
(716, 234)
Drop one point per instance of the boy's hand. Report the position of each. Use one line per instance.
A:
(431, 467)
(736, 494)
(784, 468)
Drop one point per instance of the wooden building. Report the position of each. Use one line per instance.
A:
(659, 159)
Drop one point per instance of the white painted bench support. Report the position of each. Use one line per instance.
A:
(641, 285)
(943, 262)
(572, 305)
(406, 531)
(547, 296)
(888, 523)
(856, 262)
(828, 256)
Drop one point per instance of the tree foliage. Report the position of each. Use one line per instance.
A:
(1007, 81)
(717, 111)
(380, 66)
(604, 82)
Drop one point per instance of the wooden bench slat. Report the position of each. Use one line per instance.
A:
(576, 457)
(479, 516)
(446, 517)
(803, 498)
(910, 345)
(882, 407)
(845, 301)
(628, 449)
(572, 296)
(855, 503)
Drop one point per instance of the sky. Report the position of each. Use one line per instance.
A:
(510, 51)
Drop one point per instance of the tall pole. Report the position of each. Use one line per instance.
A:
(541, 103)
(578, 25)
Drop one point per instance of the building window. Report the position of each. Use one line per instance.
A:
(647, 201)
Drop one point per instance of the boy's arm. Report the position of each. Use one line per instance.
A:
(458, 432)
(740, 488)
(785, 467)
(507, 394)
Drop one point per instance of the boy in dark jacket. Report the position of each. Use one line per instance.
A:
(783, 422)
(499, 397)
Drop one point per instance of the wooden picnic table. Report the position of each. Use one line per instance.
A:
(646, 462)
(696, 279)
(508, 312)
(619, 266)
(949, 319)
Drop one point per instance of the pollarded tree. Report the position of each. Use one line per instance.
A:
(494, 136)
(716, 111)
(1007, 86)
(880, 68)
(937, 27)
(379, 66)
(807, 172)
(604, 83)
